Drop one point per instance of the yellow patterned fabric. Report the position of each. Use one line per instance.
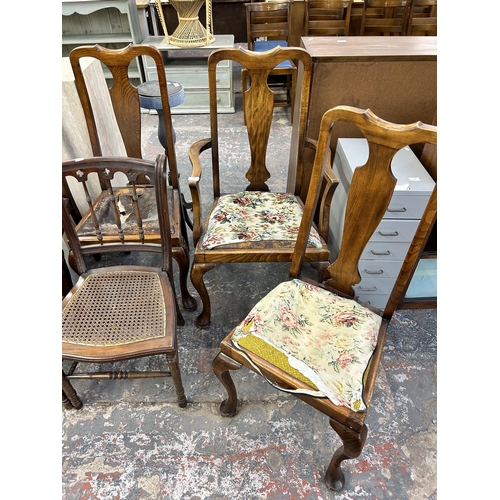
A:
(328, 339)
(255, 216)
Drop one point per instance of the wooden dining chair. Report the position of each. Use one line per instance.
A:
(317, 341)
(422, 18)
(327, 17)
(117, 313)
(384, 17)
(247, 221)
(268, 26)
(126, 105)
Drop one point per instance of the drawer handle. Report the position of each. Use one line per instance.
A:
(396, 209)
(218, 99)
(395, 233)
(374, 272)
(386, 252)
(370, 289)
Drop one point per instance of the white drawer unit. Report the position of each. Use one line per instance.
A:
(385, 252)
(188, 66)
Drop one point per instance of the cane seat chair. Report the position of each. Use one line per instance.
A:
(328, 17)
(247, 222)
(126, 105)
(118, 313)
(268, 27)
(384, 17)
(422, 18)
(318, 342)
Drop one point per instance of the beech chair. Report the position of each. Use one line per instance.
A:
(384, 17)
(317, 341)
(126, 105)
(268, 27)
(422, 18)
(328, 17)
(251, 223)
(117, 313)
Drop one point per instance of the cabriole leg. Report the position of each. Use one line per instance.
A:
(353, 443)
(197, 272)
(221, 366)
(181, 256)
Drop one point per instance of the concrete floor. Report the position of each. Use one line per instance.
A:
(132, 441)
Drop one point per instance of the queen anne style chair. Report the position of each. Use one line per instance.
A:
(268, 27)
(126, 105)
(384, 17)
(253, 224)
(328, 17)
(318, 342)
(117, 313)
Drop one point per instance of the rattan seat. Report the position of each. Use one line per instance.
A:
(121, 307)
(117, 313)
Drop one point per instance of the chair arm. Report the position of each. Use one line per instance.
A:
(194, 184)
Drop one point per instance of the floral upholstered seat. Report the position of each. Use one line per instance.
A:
(317, 336)
(255, 216)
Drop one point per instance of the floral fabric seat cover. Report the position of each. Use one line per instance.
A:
(317, 336)
(255, 216)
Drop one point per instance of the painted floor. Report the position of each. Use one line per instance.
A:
(132, 441)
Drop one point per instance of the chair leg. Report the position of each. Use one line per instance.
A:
(352, 447)
(197, 272)
(221, 366)
(181, 256)
(173, 365)
(70, 394)
(66, 402)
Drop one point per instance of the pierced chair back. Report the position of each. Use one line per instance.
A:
(317, 341)
(248, 221)
(126, 105)
(328, 17)
(117, 313)
(384, 17)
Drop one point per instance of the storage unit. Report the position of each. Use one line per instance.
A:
(386, 250)
(110, 23)
(188, 66)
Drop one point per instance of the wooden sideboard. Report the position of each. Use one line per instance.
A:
(395, 77)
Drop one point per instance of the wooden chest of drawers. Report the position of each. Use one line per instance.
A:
(383, 256)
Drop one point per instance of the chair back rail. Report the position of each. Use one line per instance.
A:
(135, 238)
(370, 193)
(125, 98)
(258, 109)
(327, 17)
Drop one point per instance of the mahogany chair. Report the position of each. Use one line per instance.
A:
(251, 223)
(317, 341)
(126, 105)
(328, 17)
(422, 18)
(268, 27)
(117, 313)
(384, 17)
